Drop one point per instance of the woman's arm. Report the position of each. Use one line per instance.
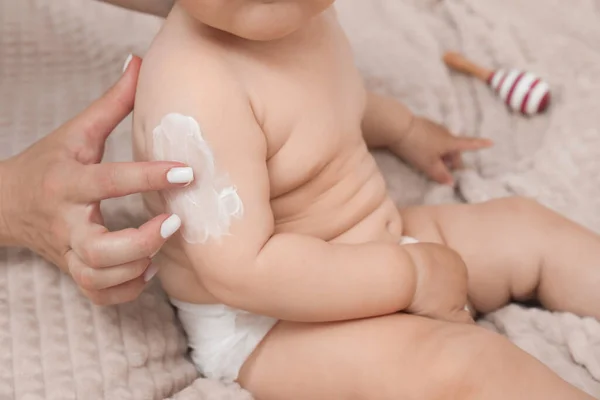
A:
(50, 200)
(160, 8)
(6, 238)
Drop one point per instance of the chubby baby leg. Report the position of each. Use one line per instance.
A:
(396, 357)
(516, 249)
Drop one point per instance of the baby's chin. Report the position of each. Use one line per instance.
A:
(264, 24)
(264, 33)
(255, 21)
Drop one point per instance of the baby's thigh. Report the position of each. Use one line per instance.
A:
(501, 242)
(393, 357)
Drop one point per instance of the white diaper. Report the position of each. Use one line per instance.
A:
(221, 338)
(407, 240)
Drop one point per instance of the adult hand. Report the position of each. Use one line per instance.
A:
(50, 200)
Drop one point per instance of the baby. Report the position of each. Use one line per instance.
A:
(295, 274)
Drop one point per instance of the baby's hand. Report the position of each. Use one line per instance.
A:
(441, 291)
(432, 149)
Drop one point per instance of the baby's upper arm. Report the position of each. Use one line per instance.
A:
(207, 122)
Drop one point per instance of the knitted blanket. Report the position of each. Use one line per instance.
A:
(57, 56)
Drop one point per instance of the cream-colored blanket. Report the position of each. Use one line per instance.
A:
(57, 56)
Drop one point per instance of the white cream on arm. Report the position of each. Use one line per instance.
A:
(208, 205)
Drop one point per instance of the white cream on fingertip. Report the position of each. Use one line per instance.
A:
(170, 226)
(209, 204)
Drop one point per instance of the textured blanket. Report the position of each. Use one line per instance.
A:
(57, 56)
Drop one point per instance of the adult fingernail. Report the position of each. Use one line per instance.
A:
(180, 175)
(127, 61)
(170, 226)
(150, 272)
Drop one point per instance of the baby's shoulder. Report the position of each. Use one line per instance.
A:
(183, 77)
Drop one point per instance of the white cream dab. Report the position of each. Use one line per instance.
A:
(208, 205)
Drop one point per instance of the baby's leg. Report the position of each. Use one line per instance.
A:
(396, 357)
(517, 249)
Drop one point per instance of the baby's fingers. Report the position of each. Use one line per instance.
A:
(440, 173)
(454, 161)
(469, 144)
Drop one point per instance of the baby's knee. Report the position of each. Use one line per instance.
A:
(525, 212)
(519, 207)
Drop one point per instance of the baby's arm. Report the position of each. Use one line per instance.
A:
(385, 121)
(290, 276)
(424, 144)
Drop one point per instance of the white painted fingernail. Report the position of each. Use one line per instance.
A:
(170, 226)
(150, 272)
(180, 175)
(127, 61)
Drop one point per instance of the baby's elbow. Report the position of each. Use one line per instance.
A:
(227, 284)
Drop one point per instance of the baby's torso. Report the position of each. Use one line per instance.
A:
(309, 99)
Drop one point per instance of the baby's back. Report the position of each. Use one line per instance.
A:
(308, 99)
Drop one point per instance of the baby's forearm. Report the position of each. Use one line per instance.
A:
(160, 8)
(385, 121)
(304, 279)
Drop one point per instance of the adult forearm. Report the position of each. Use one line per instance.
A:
(385, 120)
(6, 236)
(300, 278)
(160, 8)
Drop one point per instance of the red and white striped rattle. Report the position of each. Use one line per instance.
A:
(522, 91)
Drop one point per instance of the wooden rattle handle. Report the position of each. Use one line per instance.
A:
(460, 63)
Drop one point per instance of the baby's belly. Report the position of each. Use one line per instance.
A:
(351, 209)
(354, 210)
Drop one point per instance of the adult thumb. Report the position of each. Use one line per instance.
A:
(104, 114)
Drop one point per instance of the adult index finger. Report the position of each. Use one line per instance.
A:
(110, 180)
